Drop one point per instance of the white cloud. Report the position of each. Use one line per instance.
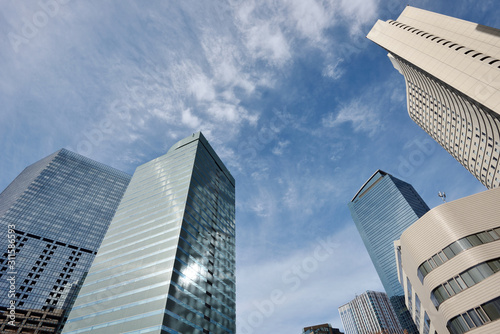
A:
(268, 42)
(201, 87)
(190, 120)
(273, 288)
(358, 13)
(363, 116)
(227, 61)
(260, 174)
(272, 27)
(222, 111)
(263, 204)
(280, 147)
(333, 70)
(311, 17)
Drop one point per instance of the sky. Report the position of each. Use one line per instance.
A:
(299, 105)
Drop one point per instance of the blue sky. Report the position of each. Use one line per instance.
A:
(300, 106)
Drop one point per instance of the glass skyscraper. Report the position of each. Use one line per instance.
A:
(382, 209)
(53, 217)
(167, 262)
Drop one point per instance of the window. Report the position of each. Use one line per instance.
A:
(417, 310)
(474, 240)
(437, 260)
(410, 295)
(464, 280)
(455, 248)
(427, 323)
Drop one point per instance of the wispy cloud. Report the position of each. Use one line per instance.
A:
(362, 116)
(359, 13)
(278, 287)
(280, 147)
(190, 120)
(275, 86)
(334, 70)
(311, 18)
(367, 112)
(268, 42)
(273, 29)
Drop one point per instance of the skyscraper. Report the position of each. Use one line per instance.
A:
(382, 209)
(370, 313)
(54, 216)
(167, 263)
(449, 262)
(321, 329)
(452, 73)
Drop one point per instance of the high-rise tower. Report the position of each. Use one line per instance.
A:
(53, 217)
(321, 329)
(167, 263)
(452, 73)
(371, 312)
(382, 209)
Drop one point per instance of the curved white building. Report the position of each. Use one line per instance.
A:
(448, 263)
(452, 73)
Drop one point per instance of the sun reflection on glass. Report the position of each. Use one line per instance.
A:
(192, 272)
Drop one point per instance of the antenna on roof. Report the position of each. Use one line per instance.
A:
(442, 195)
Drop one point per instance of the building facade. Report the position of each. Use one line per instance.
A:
(321, 329)
(452, 73)
(382, 209)
(370, 313)
(54, 216)
(167, 263)
(449, 261)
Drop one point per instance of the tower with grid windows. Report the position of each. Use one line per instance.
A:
(382, 209)
(370, 312)
(452, 73)
(53, 217)
(167, 262)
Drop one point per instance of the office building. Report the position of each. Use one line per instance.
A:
(53, 216)
(452, 73)
(321, 329)
(382, 209)
(370, 313)
(448, 261)
(167, 262)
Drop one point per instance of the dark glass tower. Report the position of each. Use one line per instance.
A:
(167, 262)
(382, 209)
(57, 211)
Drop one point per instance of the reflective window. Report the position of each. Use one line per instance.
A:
(464, 280)
(475, 317)
(455, 248)
(65, 203)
